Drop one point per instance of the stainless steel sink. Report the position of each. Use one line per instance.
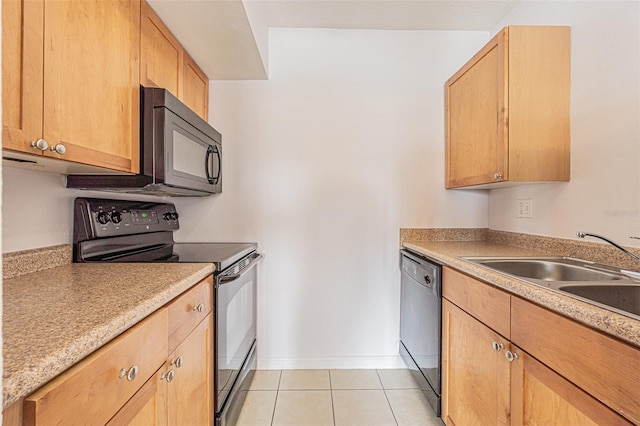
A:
(549, 268)
(603, 285)
(625, 297)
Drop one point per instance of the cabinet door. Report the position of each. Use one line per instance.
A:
(540, 396)
(113, 374)
(475, 377)
(91, 81)
(604, 367)
(22, 44)
(161, 55)
(190, 392)
(476, 125)
(147, 407)
(196, 88)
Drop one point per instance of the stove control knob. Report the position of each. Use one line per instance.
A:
(103, 217)
(166, 216)
(174, 216)
(116, 217)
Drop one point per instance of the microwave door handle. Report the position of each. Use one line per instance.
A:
(217, 152)
(206, 165)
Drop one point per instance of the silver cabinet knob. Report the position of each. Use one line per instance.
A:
(497, 346)
(177, 362)
(199, 308)
(497, 176)
(40, 144)
(168, 377)
(511, 356)
(130, 374)
(59, 149)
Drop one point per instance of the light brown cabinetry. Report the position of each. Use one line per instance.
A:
(528, 374)
(475, 377)
(115, 372)
(507, 110)
(190, 392)
(138, 378)
(196, 88)
(164, 63)
(71, 74)
(161, 54)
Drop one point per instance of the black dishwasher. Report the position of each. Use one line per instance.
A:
(420, 322)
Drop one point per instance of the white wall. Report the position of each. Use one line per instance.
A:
(323, 164)
(603, 195)
(37, 208)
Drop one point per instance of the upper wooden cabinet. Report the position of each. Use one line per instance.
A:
(161, 54)
(164, 63)
(70, 76)
(507, 111)
(195, 92)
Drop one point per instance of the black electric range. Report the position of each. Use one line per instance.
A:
(138, 231)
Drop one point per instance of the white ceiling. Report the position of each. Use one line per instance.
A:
(387, 14)
(229, 39)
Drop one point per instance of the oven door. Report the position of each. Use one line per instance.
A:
(184, 156)
(235, 326)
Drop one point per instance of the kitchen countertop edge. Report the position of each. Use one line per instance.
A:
(606, 321)
(20, 381)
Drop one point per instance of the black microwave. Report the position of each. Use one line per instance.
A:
(180, 153)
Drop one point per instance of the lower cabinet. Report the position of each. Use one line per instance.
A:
(190, 392)
(149, 375)
(488, 379)
(475, 376)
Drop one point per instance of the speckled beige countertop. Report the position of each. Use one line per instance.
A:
(54, 318)
(620, 326)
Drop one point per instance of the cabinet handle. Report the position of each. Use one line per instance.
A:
(497, 346)
(40, 144)
(199, 308)
(177, 362)
(59, 149)
(497, 176)
(130, 374)
(168, 377)
(511, 356)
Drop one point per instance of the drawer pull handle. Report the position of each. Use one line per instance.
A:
(497, 176)
(40, 144)
(199, 308)
(177, 362)
(130, 374)
(168, 377)
(59, 149)
(497, 346)
(511, 356)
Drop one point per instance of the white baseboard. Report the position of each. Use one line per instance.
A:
(381, 362)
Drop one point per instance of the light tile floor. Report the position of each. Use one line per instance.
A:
(335, 397)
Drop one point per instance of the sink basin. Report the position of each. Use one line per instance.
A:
(602, 285)
(624, 297)
(547, 269)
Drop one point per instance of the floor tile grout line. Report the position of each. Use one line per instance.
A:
(333, 410)
(273, 413)
(390, 406)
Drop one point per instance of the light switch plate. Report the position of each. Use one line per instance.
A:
(525, 207)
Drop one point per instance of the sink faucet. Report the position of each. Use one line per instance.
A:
(586, 234)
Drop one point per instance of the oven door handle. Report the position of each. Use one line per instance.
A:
(224, 279)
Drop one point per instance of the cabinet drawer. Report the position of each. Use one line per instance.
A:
(604, 367)
(488, 304)
(71, 397)
(186, 312)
